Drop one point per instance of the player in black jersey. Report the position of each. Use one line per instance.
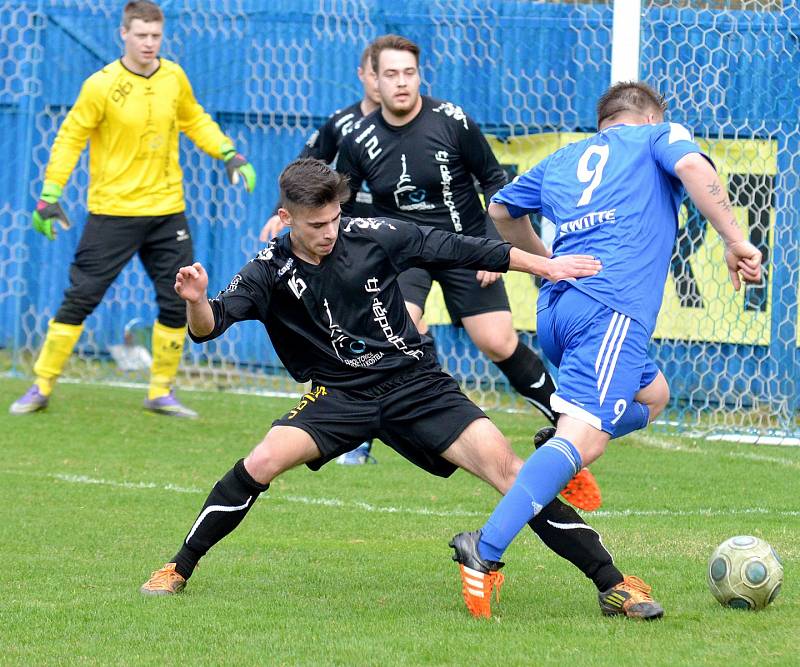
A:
(420, 156)
(323, 144)
(328, 296)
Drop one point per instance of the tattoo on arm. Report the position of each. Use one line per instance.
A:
(715, 190)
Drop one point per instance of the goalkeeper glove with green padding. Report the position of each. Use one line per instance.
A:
(236, 165)
(48, 212)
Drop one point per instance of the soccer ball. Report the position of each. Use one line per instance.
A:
(744, 572)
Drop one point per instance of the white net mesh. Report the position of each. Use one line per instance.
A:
(732, 75)
(528, 72)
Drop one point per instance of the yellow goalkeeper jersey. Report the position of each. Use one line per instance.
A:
(132, 123)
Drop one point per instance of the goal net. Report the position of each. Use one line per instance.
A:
(529, 72)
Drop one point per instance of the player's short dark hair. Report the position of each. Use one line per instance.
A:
(394, 43)
(632, 96)
(310, 183)
(144, 10)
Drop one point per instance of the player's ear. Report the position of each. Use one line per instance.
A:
(285, 216)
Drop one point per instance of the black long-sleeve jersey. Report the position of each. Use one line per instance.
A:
(423, 171)
(343, 322)
(324, 143)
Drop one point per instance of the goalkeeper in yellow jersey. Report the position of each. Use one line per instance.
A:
(131, 112)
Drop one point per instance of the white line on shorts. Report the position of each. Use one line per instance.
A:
(415, 511)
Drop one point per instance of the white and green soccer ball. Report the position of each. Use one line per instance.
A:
(744, 572)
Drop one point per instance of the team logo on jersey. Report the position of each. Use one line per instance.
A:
(121, 92)
(341, 341)
(364, 196)
(297, 285)
(338, 338)
(265, 254)
(453, 111)
(407, 196)
(182, 235)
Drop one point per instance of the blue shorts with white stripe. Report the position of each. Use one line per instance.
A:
(601, 357)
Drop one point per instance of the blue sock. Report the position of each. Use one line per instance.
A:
(637, 416)
(540, 480)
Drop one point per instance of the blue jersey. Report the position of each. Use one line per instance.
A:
(615, 196)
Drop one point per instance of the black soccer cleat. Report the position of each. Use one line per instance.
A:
(543, 435)
(479, 577)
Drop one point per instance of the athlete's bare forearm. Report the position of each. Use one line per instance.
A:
(705, 189)
(707, 192)
(200, 318)
(560, 268)
(517, 231)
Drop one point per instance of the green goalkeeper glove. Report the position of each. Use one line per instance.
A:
(236, 165)
(48, 212)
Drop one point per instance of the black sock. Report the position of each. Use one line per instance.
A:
(527, 374)
(226, 505)
(565, 533)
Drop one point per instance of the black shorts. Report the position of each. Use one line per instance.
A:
(108, 243)
(463, 294)
(418, 413)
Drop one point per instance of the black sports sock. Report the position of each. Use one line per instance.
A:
(527, 374)
(226, 505)
(564, 532)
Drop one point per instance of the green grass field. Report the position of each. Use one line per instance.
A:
(350, 566)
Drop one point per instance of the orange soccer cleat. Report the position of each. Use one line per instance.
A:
(165, 581)
(631, 598)
(583, 491)
(479, 577)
